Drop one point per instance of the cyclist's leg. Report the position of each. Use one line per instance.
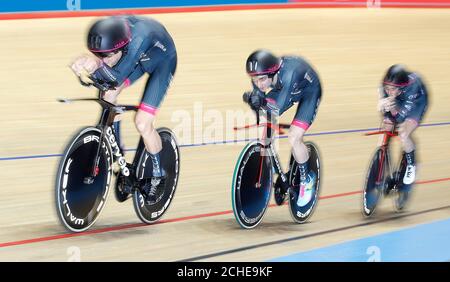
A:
(410, 124)
(304, 117)
(154, 94)
(406, 129)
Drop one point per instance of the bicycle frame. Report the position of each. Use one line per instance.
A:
(268, 135)
(384, 151)
(109, 112)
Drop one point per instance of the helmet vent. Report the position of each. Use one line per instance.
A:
(95, 42)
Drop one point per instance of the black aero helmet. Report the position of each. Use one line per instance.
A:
(108, 35)
(262, 62)
(397, 76)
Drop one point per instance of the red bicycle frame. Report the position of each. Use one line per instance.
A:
(386, 138)
(267, 138)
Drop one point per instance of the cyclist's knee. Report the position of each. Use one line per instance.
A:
(144, 122)
(406, 129)
(406, 140)
(296, 135)
(140, 126)
(404, 136)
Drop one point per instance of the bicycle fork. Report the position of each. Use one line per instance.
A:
(385, 166)
(94, 170)
(276, 165)
(106, 120)
(384, 159)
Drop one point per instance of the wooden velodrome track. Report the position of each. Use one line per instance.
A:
(350, 48)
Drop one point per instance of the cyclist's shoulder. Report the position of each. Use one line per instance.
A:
(416, 84)
(298, 72)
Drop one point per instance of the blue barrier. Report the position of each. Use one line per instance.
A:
(76, 5)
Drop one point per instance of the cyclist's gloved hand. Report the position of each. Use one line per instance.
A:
(246, 96)
(85, 63)
(255, 100)
(386, 104)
